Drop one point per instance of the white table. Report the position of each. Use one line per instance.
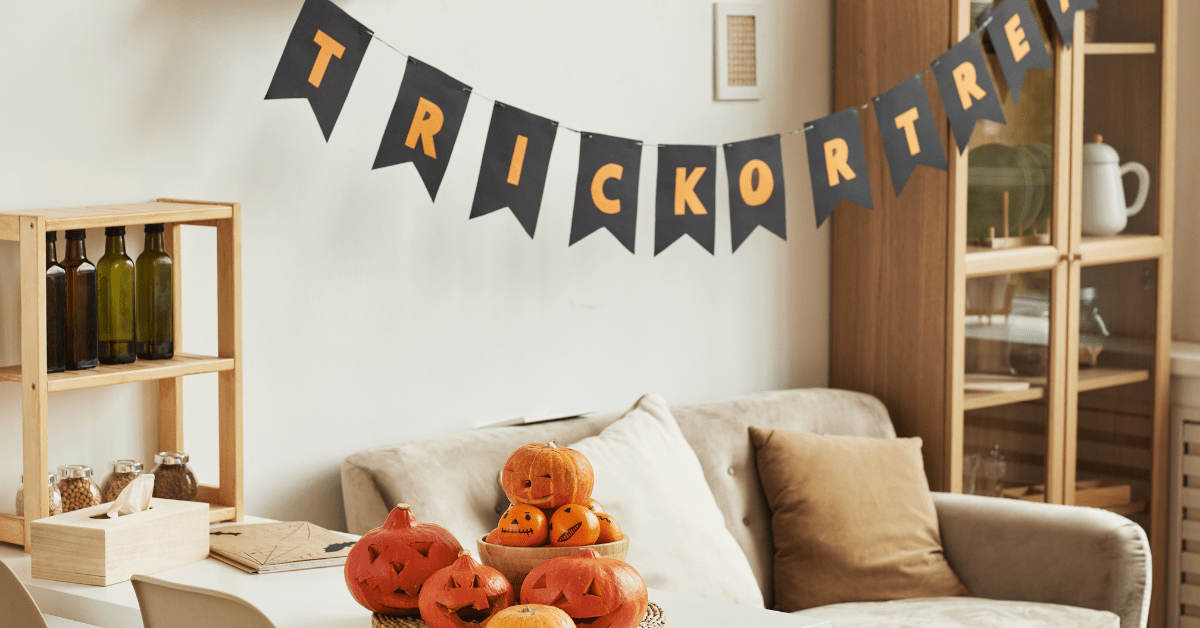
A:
(317, 598)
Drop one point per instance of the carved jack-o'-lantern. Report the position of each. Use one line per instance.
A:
(531, 616)
(547, 476)
(594, 591)
(465, 594)
(573, 525)
(523, 525)
(388, 565)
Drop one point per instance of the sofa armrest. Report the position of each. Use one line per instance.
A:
(1018, 550)
(364, 504)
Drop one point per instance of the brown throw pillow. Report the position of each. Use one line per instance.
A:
(852, 519)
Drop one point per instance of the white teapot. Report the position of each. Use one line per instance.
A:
(1104, 210)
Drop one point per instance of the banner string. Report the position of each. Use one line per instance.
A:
(807, 127)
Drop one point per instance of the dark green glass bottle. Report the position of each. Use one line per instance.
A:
(81, 303)
(56, 308)
(155, 299)
(114, 273)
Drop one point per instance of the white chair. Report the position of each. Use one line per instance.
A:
(18, 608)
(170, 605)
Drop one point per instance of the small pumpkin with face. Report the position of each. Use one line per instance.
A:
(594, 591)
(387, 567)
(532, 616)
(573, 525)
(523, 525)
(464, 595)
(547, 476)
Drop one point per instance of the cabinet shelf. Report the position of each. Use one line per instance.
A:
(123, 215)
(981, 262)
(1089, 379)
(139, 371)
(1120, 248)
(1137, 48)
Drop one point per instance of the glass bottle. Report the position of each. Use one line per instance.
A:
(172, 477)
(114, 273)
(155, 299)
(77, 488)
(56, 308)
(81, 304)
(52, 494)
(123, 472)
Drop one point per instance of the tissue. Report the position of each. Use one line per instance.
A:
(135, 497)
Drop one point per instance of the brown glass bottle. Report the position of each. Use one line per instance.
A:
(56, 308)
(82, 321)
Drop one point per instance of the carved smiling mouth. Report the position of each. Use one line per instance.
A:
(569, 533)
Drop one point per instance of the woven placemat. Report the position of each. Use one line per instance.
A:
(654, 619)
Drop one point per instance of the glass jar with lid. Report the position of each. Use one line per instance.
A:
(77, 488)
(55, 497)
(123, 472)
(172, 477)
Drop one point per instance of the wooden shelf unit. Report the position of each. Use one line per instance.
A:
(904, 273)
(29, 229)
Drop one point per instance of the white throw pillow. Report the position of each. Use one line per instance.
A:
(649, 479)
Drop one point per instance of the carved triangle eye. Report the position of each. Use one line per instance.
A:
(541, 582)
(398, 567)
(592, 589)
(373, 551)
(451, 584)
(421, 547)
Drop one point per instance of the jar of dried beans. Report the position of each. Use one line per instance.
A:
(172, 477)
(123, 472)
(77, 488)
(55, 497)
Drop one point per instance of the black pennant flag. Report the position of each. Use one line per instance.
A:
(756, 193)
(320, 60)
(967, 89)
(686, 196)
(606, 192)
(516, 157)
(424, 123)
(837, 164)
(1018, 41)
(910, 135)
(1064, 15)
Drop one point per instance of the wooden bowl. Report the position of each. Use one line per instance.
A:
(516, 562)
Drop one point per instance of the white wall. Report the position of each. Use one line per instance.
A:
(372, 315)
(1185, 324)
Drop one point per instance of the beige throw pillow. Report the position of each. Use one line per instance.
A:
(852, 519)
(649, 479)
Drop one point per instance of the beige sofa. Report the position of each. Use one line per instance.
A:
(1025, 564)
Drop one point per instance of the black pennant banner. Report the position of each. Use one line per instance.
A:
(686, 196)
(1064, 15)
(1018, 41)
(320, 60)
(967, 89)
(424, 123)
(516, 157)
(606, 191)
(910, 135)
(837, 164)
(756, 192)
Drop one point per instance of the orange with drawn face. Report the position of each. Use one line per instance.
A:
(610, 530)
(523, 525)
(573, 525)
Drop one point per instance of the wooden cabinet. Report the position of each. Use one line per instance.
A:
(29, 229)
(922, 314)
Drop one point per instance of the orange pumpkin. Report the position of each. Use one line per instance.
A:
(493, 537)
(594, 505)
(388, 565)
(523, 525)
(610, 530)
(547, 476)
(573, 525)
(465, 594)
(593, 590)
(532, 616)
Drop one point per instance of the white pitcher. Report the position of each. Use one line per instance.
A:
(1104, 210)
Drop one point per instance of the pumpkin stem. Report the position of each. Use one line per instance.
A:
(403, 506)
(552, 445)
(462, 553)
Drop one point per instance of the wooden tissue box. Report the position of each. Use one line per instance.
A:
(74, 547)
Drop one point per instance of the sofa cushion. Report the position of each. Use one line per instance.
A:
(852, 518)
(959, 612)
(649, 479)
